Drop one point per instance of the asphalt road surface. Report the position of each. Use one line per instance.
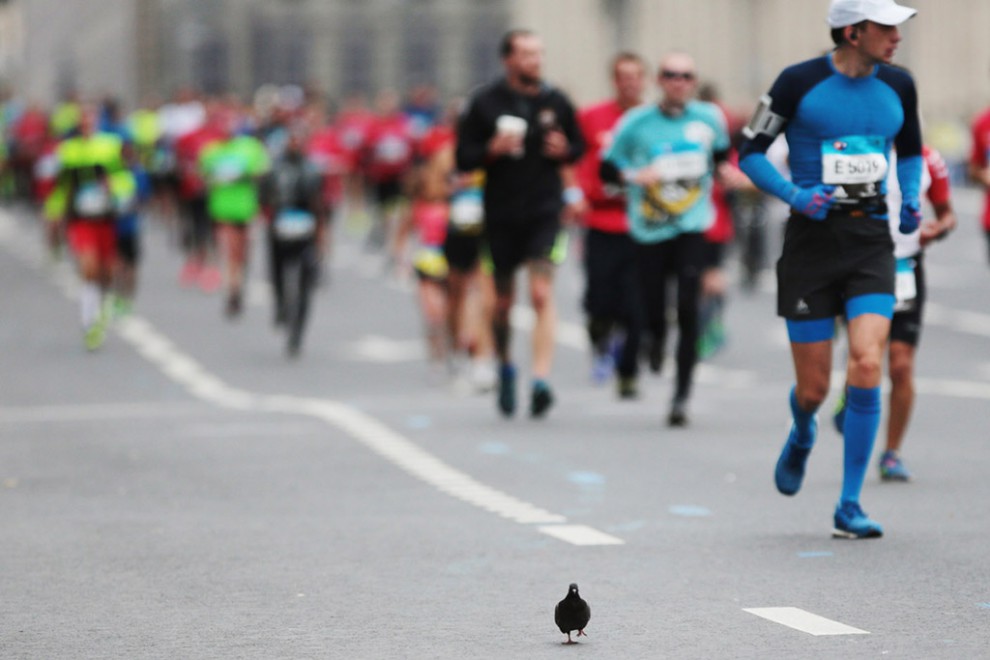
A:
(189, 492)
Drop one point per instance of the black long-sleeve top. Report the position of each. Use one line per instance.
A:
(518, 189)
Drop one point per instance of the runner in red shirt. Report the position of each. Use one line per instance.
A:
(29, 136)
(197, 237)
(979, 163)
(611, 298)
(352, 124)
(388, 156)
(327, 153)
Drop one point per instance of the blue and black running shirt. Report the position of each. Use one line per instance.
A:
(839, 132)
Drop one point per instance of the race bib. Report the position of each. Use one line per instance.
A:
(858, 164)
(906, 285)
(47, 167)
(93, 200)
(294, 225)
(228, 170)
(392, 150)
(467, 211)
(681, 166)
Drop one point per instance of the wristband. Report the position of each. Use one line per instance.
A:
(573, 195)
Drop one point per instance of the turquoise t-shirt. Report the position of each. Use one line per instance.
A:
(681, 149)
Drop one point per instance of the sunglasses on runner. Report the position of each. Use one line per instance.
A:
(686, 76)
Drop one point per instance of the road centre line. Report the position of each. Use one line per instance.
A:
(799, 619)
(160, 351)
(371, 433)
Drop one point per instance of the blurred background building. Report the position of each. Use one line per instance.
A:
(142, 48)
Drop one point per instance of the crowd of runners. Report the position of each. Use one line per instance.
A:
(464, 195)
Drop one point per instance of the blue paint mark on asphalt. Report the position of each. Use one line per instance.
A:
(419, 422)
(586, 478)
(815, 554)
(690, 511)
(495, 448)
(985, 606)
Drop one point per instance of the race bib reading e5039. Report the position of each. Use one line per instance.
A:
(854, 160)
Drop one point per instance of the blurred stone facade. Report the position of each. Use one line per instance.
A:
(136, 48)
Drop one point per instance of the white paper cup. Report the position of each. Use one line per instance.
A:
(515, 126)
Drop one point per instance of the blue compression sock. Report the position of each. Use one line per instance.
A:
(860, 430)
(804, 423)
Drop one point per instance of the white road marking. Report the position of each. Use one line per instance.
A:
(376, 348)
(373, 434)
(799, 619)
(974, 323)
(580, 535)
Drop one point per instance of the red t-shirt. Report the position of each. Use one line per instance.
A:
(31, 132)
(327, 153)
(352, 131)
(597, 123)
(389, 148)
(187, 151)
(981, 155)
(435, 139)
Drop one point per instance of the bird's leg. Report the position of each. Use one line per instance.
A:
(569, 638)
(581, 633)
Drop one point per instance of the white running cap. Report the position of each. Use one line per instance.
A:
(851, 12)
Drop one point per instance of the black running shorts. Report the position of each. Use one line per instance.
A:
(511, 244)
(825, 263)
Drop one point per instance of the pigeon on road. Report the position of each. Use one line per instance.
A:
(572, 613)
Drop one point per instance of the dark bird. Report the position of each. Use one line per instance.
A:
(572, 613)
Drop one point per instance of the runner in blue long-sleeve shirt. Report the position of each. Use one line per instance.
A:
(841, 114)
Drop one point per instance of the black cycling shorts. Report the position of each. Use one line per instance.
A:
(129, 248)
(511, 244)
(906, 324)
(824, 264)
(462, 250)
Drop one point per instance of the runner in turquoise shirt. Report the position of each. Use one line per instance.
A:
(682, 150)
(666, 156)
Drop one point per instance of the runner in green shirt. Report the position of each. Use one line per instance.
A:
(232, 169)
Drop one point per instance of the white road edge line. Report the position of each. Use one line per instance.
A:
(799, 619)
(373, 434)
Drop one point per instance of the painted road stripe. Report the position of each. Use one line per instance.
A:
(965, 321)
(580, 535)
(373, 434)
(799, 619)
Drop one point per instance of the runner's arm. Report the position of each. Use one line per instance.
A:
(939, 195)
(473, 134)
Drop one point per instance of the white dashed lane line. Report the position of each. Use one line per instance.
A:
(806, 622)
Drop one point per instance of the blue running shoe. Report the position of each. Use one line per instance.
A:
(892, 469)
(852, 523)
(507, 389)
(839, 414)
(541, 400)
(602, 368)
(790, 466)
